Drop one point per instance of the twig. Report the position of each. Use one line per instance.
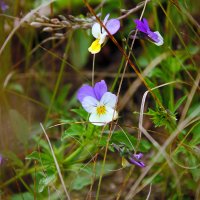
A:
(149, 192)
(139, 6)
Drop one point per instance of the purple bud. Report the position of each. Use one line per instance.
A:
(135, 159)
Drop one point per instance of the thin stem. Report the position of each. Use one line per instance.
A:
(59, 79)
(104, 161)
(93, 63)
(127, 61)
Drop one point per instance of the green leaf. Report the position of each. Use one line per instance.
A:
(81, 112)
(16, 87)
(179, 103)
(15, 161)
(20, 126)
(195, 135)
(73, 130)
(186, 157)
(20, 196)
(144, 146)
(42, 158)
(64, 91)
(86, 174)
(79, 48)
(49, 177)
(120, 137)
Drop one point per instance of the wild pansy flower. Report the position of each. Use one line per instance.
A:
(98, 102)
(112, 25)
(143, 26)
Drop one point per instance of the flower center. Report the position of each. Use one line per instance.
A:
(101, 110)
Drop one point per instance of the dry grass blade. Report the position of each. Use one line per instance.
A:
(56, 162)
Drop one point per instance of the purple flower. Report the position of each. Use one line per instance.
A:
(100, 33)
(136, 159)
(98, 102)
(3, 6)
(143, 26)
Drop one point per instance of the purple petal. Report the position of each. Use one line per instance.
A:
(100, 89)
(145, 22)
(138, 163)
(138, 156)
(113, 26)
(153, 36)
(135, 159)
(143, 27)
(85, 91)
(106, 19)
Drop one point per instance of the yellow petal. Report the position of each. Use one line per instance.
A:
(95, 47)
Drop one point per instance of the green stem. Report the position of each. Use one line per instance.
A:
(72, 156)
(59, 78)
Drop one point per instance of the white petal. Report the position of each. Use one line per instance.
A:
(89, 104)
(160, 39)
(96, 30)
(102, 38)
(109, 99)
(101, 120)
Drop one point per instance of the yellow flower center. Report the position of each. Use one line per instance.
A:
(101, 110)
(95, 47)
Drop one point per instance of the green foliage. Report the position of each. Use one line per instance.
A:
(44, 75)
(87, 174)
(162, 118)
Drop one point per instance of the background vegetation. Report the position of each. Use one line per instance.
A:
(42, 66)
